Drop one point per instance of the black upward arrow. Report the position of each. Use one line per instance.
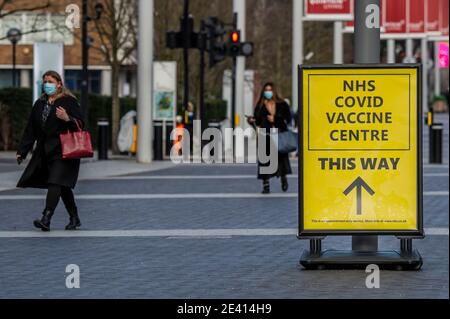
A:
(359, 183)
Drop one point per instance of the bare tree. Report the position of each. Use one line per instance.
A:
(7, 8)
(117, 33)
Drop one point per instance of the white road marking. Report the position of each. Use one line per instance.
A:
(294, 163)
(435, 193)
(424, 165)
(182, 196)
(243, 176)
(435, 175)
(158, 196)
(436, 231)
(182, 177)
(176, 233)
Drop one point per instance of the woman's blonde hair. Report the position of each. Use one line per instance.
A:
(63, 91)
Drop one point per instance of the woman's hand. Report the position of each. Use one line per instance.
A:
(270, 118)
(62, 114)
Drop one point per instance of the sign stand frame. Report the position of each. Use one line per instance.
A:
(365, 243)
(406, 258)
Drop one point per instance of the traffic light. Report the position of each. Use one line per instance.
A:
(234, 43)
(237, 48)
(173, 40)
(215, 44)
(177, 39)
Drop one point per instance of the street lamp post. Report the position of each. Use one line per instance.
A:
(85, 44)
(186, 45)
(14, 35)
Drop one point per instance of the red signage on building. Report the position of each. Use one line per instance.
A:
(443, 16)
(416, 16)
(329, 9)
(394, 16)
(432, 11)
(409, 18)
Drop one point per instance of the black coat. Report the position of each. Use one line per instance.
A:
(46, 165)
(281, 120)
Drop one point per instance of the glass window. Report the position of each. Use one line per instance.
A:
(6, 78)
(34, 22)
(61, 33)
(37, 27)
(72, 79)
(94, 81)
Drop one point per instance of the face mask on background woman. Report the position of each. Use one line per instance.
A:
(268, 95)
(50, 88)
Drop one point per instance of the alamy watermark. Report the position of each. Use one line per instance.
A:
(266, 146)
(73, 16)
(73, 277)
(373, 279)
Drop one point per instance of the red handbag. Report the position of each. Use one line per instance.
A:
(75, 145)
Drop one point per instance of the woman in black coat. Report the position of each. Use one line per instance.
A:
(55, 112)
(272, 111)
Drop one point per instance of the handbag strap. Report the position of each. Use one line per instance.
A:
(78, 125)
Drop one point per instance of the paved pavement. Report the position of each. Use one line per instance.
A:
(205, 232)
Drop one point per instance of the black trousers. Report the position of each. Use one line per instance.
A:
(57, 191)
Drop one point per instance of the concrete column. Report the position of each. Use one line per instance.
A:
(106, 82)
(390, 51)
(133, 84)
(367, 31)
(145, 82)
(437, 70)
(25, 78)
(409, 49)
(366, 50)
(424, 57)
(297, 48)
(123, 90)
(338, 43)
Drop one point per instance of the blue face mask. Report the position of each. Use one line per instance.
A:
(50, 88)
(268, 95)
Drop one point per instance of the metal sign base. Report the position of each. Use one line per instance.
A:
(405, 259)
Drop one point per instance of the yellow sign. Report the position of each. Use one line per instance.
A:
(360, 162)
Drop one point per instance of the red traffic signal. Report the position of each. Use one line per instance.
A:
(235, 37)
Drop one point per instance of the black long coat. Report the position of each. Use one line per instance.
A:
(46, 165)
(282, 118)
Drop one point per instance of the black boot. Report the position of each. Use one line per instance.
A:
(266, 187)
(74, 219)
(284, 183)
(44, 222)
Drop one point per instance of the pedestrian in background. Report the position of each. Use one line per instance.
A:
(272, 111)
(55, 112)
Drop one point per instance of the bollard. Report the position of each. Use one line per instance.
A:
(103, 127)
(169, 143)
(158, 142)
(436, 131)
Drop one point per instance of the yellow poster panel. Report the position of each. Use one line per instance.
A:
(359, 141)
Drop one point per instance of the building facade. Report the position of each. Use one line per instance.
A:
(49, 25)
